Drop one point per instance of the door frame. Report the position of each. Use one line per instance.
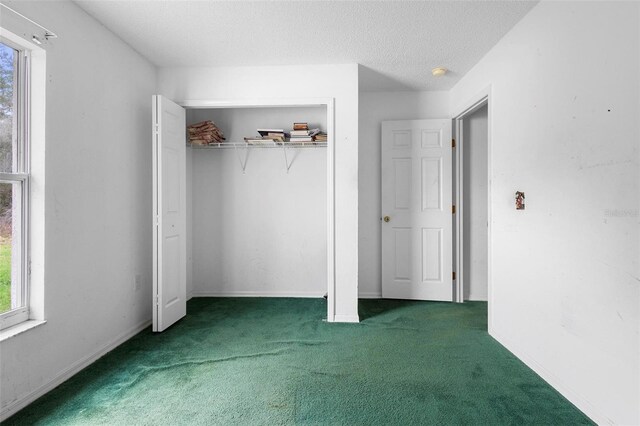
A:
(459, 114)
(298, 102)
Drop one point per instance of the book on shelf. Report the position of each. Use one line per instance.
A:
(204, 133)
(265, 132)
(301, 139)
(300, 126)
(296, 133)
(321, 137)
(259, 141)
(279, 137)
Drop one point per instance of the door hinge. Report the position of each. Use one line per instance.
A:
(453, 275)
(453, 209)
(453, 143)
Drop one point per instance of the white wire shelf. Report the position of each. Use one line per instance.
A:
(266, 144)
(242, 149)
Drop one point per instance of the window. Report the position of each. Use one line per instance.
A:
(14, 184)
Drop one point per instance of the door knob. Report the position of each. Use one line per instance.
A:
(386, 218)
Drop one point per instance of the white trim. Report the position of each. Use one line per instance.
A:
(255, 103)
(472, 105)
(36, 133)
(309, 294)
(12, 318)
(27, 325)
(458, 155)
(155, 211)
(347, 318)
(66, 374)
(370, 295)
(13, 177)
(473, 298)
(329, 103)
(16, 40)
(571, 394)
(20, 277)
(331, 214)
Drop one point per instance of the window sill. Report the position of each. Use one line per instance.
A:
(19, 329)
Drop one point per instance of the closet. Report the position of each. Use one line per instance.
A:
(256, 219)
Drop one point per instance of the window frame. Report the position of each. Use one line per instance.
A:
(21, 176)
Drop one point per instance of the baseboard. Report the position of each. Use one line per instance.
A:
(574, 397)
(15, 406)
(258, 294)
(337, 318)
(346, 318)
(476, 299)
(370, 295)
(365, 295)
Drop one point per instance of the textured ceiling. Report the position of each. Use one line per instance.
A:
(397, 42)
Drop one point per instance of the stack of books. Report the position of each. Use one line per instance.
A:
(267, 136)
(300, 133)
(277, 135)
(204, 133)
(258, 141)
(320, 137)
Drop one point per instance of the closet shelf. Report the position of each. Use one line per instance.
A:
(223, 145)
(242, 149)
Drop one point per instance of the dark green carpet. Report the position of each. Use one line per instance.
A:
(274, 361)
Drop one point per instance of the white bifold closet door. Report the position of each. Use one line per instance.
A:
(169, 213)
(416, 208)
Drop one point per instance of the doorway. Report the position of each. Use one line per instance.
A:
(472, 194)
(169, 189)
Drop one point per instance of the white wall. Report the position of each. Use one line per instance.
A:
(320, 81)
(374, 108)
(564, 128)
(97, 201)
(262, 232)
(475, 257)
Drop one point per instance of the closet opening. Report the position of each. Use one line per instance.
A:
(259, 215)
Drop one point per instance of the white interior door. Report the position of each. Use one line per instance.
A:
(416, 200)
(169, 205)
